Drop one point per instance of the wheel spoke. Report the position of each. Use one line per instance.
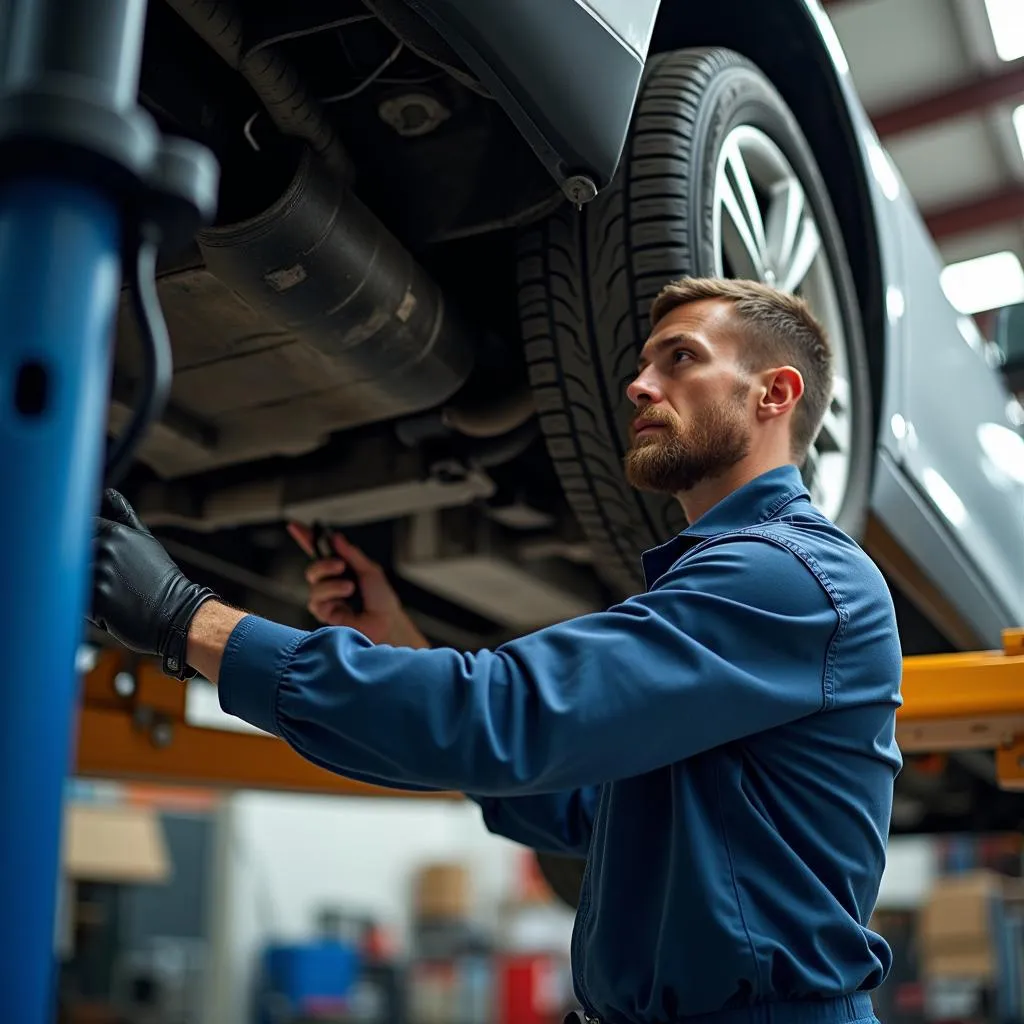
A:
(840, 393)
(736, 194)
(832, 437)
(835, 425)
(746, 195)
(765, 228)
(811, 475)
(785, 211)
(805, 252)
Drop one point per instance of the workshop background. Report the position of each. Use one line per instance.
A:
(192, 907)
(182, 907)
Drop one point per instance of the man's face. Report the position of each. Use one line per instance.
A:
(694, 418)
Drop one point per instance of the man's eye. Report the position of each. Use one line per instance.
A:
(679, 355)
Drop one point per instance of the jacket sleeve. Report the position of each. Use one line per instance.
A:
(732, 642)
(549, 822)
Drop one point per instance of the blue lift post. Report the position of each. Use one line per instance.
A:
(84, 175)
(59, 276)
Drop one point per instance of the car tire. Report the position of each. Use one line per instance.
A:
(587, 278)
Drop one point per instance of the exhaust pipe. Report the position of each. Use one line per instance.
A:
(319, 264)
(272, 77)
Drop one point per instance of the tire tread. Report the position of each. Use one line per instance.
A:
(584, 307)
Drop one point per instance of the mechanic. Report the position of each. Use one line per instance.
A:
(721, 747)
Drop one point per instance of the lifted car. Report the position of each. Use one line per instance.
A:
(441, 224)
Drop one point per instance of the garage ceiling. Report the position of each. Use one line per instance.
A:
(942, 99)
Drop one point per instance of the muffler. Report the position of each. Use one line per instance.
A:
(321, 266)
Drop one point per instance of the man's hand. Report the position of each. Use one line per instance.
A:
(383, 619)
(140, 597)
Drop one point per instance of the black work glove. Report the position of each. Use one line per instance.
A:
(140, 597)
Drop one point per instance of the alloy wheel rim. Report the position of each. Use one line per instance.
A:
(765, 230)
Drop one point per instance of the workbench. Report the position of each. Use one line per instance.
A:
(133, 725)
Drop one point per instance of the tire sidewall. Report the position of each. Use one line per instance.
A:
(587, 280)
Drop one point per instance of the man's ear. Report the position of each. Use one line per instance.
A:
(782, 388)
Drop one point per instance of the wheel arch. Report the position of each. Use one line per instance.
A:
(783, 40)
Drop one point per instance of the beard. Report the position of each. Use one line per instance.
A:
(679, 457)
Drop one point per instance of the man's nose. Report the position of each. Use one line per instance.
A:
(644, 388)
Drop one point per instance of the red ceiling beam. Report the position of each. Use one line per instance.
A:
(985, 212)
(983, 91)
(977, 93)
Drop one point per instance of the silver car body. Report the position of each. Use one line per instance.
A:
(948, 482)
(949, 473)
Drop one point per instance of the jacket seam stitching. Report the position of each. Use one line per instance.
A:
(836, 600)
(735, 883)
(823, 580)
(779, 504)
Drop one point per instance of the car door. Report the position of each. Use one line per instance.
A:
(962, 447)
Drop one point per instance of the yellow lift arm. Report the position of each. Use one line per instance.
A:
(968, 702)
(132, 726)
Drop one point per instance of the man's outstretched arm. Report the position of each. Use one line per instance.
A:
(552, 822)
(694, 664)
(731, 643)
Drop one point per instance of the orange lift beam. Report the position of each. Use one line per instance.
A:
(132, 726)
(968, 702)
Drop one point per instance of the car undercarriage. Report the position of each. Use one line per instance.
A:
(389, 395)
(349, 334)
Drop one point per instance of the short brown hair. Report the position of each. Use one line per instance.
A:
(783, 331)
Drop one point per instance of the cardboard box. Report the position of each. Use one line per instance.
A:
(961, 926)
(110, 843)
(443, 892)
(980, 964)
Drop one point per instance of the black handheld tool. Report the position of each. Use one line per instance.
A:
(323, 547)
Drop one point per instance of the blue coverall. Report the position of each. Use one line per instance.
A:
(722, 749)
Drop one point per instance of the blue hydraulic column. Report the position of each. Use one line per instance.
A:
(59, 279)
(87, 184)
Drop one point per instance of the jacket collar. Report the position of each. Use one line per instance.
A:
(755, 502)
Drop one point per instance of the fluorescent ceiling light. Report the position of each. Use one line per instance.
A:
(1006, 17)
(988, 282)
(1018, 124)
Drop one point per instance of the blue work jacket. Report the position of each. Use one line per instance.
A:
(721, 748)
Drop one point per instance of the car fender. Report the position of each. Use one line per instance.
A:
(566, 72)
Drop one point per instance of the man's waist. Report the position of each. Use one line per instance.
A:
(837, 1010)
